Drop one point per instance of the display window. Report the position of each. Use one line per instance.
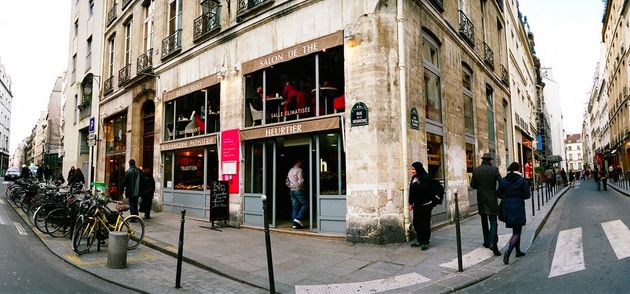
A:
(116, 133)
(254, 168)
(212, 173)
(304, 87)
(194, 114)
(188, 169)
(435, 156)
(332, 178)
(168, 170)
(470, 160)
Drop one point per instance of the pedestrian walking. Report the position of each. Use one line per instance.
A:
(485, 178)
(421, 202)
(295, 183)
(611, 173)
(571, 178)
(550, 178)
(563, 176)
(513, 189)
(596, 177)
(131, 186)
(147, 189)
(603, 175)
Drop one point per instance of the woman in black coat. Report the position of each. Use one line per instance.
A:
(513, 189)
(420, 203)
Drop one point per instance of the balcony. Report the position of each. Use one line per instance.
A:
(172, 44)
(505, 76)
(488, 55)
(111, 14)
(245, 6)
(466, 29)
(108, 85)
(124, 74)
(145, 61)
(206, 23)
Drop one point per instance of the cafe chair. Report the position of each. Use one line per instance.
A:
(200, 124)
(191, 127)
(256, 114)
(339, 103)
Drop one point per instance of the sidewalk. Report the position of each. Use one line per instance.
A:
(302, 264)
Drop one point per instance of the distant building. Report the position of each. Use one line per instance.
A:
(573, 152)
(6, 99)
(553, 113)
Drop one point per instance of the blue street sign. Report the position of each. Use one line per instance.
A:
(91, 128)
(539, 146)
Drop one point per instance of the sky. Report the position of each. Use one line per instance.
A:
(568, 36)
(34, 46)
(33, 50)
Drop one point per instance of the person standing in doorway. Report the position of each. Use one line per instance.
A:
(146, 193)
(513, 189)
(420, 202)
(131, 186)
(295, 182)
(485, 179)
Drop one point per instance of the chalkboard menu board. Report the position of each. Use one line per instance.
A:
(219, 200)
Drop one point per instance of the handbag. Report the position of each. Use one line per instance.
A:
(500, 215)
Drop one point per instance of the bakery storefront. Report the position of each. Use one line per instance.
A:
(294, 104)
(189, 152)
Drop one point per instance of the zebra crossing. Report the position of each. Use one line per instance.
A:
(569, 251)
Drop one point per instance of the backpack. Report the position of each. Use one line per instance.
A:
(438, 191)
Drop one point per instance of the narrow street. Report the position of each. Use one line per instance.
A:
(577, 250)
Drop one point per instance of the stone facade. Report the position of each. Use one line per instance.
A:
(6, 99)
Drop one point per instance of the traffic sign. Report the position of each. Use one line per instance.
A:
(91, 128)
(91, 142)
(91, 136)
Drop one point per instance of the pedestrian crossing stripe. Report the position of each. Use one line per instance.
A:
(619, 237)
(476, 256)
(569, 254)
(373, 286)
(1, 201)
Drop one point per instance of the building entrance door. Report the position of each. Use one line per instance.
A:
(298, 150)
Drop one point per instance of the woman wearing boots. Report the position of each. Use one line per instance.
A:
(421, 204)
(513, 189)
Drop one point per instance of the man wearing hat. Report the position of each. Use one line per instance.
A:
(485, 179)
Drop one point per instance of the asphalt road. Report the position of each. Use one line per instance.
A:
(27, 266)
(583, 248)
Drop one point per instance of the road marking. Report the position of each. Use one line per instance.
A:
(373, 286)
(4, 219)
(569, 254)
(478, 255)
(2, 202)
(19, 228)
(619, 237)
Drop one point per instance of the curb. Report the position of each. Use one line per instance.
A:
(620, 190)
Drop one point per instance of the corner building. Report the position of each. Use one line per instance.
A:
(357, 90)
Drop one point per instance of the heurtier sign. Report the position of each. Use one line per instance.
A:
(359, 115)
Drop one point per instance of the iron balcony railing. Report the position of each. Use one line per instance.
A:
(124, 74)
(488, 55)
(108, 85)
(145, 61)
(505, 76)
(466, 28)
(172, 43)
(111, 14)
(244, 5)
(206, 23)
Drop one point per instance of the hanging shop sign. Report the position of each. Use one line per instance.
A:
(294, 128)
(230, 146)
(414, 121)
(359, 115)
(189, 143)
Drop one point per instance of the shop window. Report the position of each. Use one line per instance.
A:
(212, 172)
(168, 170)
(303, 87)
(188, 116)
(470, 160)
(435, 156)
(116, 134)
(254, 168)
(332, 178)
(188, 169)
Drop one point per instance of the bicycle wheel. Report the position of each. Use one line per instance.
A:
(31, 211)
(134, 226)
(39, 217)
(58, 222)
(84, 236)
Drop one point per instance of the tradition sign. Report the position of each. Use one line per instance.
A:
(359, 115)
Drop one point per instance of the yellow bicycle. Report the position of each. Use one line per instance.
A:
(101, 221)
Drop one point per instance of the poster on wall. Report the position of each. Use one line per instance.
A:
(230, 146)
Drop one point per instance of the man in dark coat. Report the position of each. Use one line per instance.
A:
(147, 188)
(131, 186)
(485, 179)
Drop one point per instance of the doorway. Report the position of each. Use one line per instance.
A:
(287, 158)
(148, 123)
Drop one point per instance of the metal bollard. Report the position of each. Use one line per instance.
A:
(272, 283)
(538, 195)
(458, 236)
(180, 252)
(117, 250)
(531, 195)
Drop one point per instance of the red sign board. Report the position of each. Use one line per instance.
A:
(230, 165)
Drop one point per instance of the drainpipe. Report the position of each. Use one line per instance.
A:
(402, 71)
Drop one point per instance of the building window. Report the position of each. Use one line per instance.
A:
(187, 116)
(188, 169)
(111, 57)
(304, 87)
(128, 42)
(470, 160)
(506, 132)
(147, 37)
(88, 54)
(469, 122)
(116, 134)
(73, 75)
(435, 156)
(90, 7)
(174, 16)
(570, 148)
(331, 180)
(76, 27)
(432, 94)
(490, 116)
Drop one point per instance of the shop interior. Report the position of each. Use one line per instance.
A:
(194, 114)
(184, 169)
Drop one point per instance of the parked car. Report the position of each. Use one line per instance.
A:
(12, 174)
(33, 169)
